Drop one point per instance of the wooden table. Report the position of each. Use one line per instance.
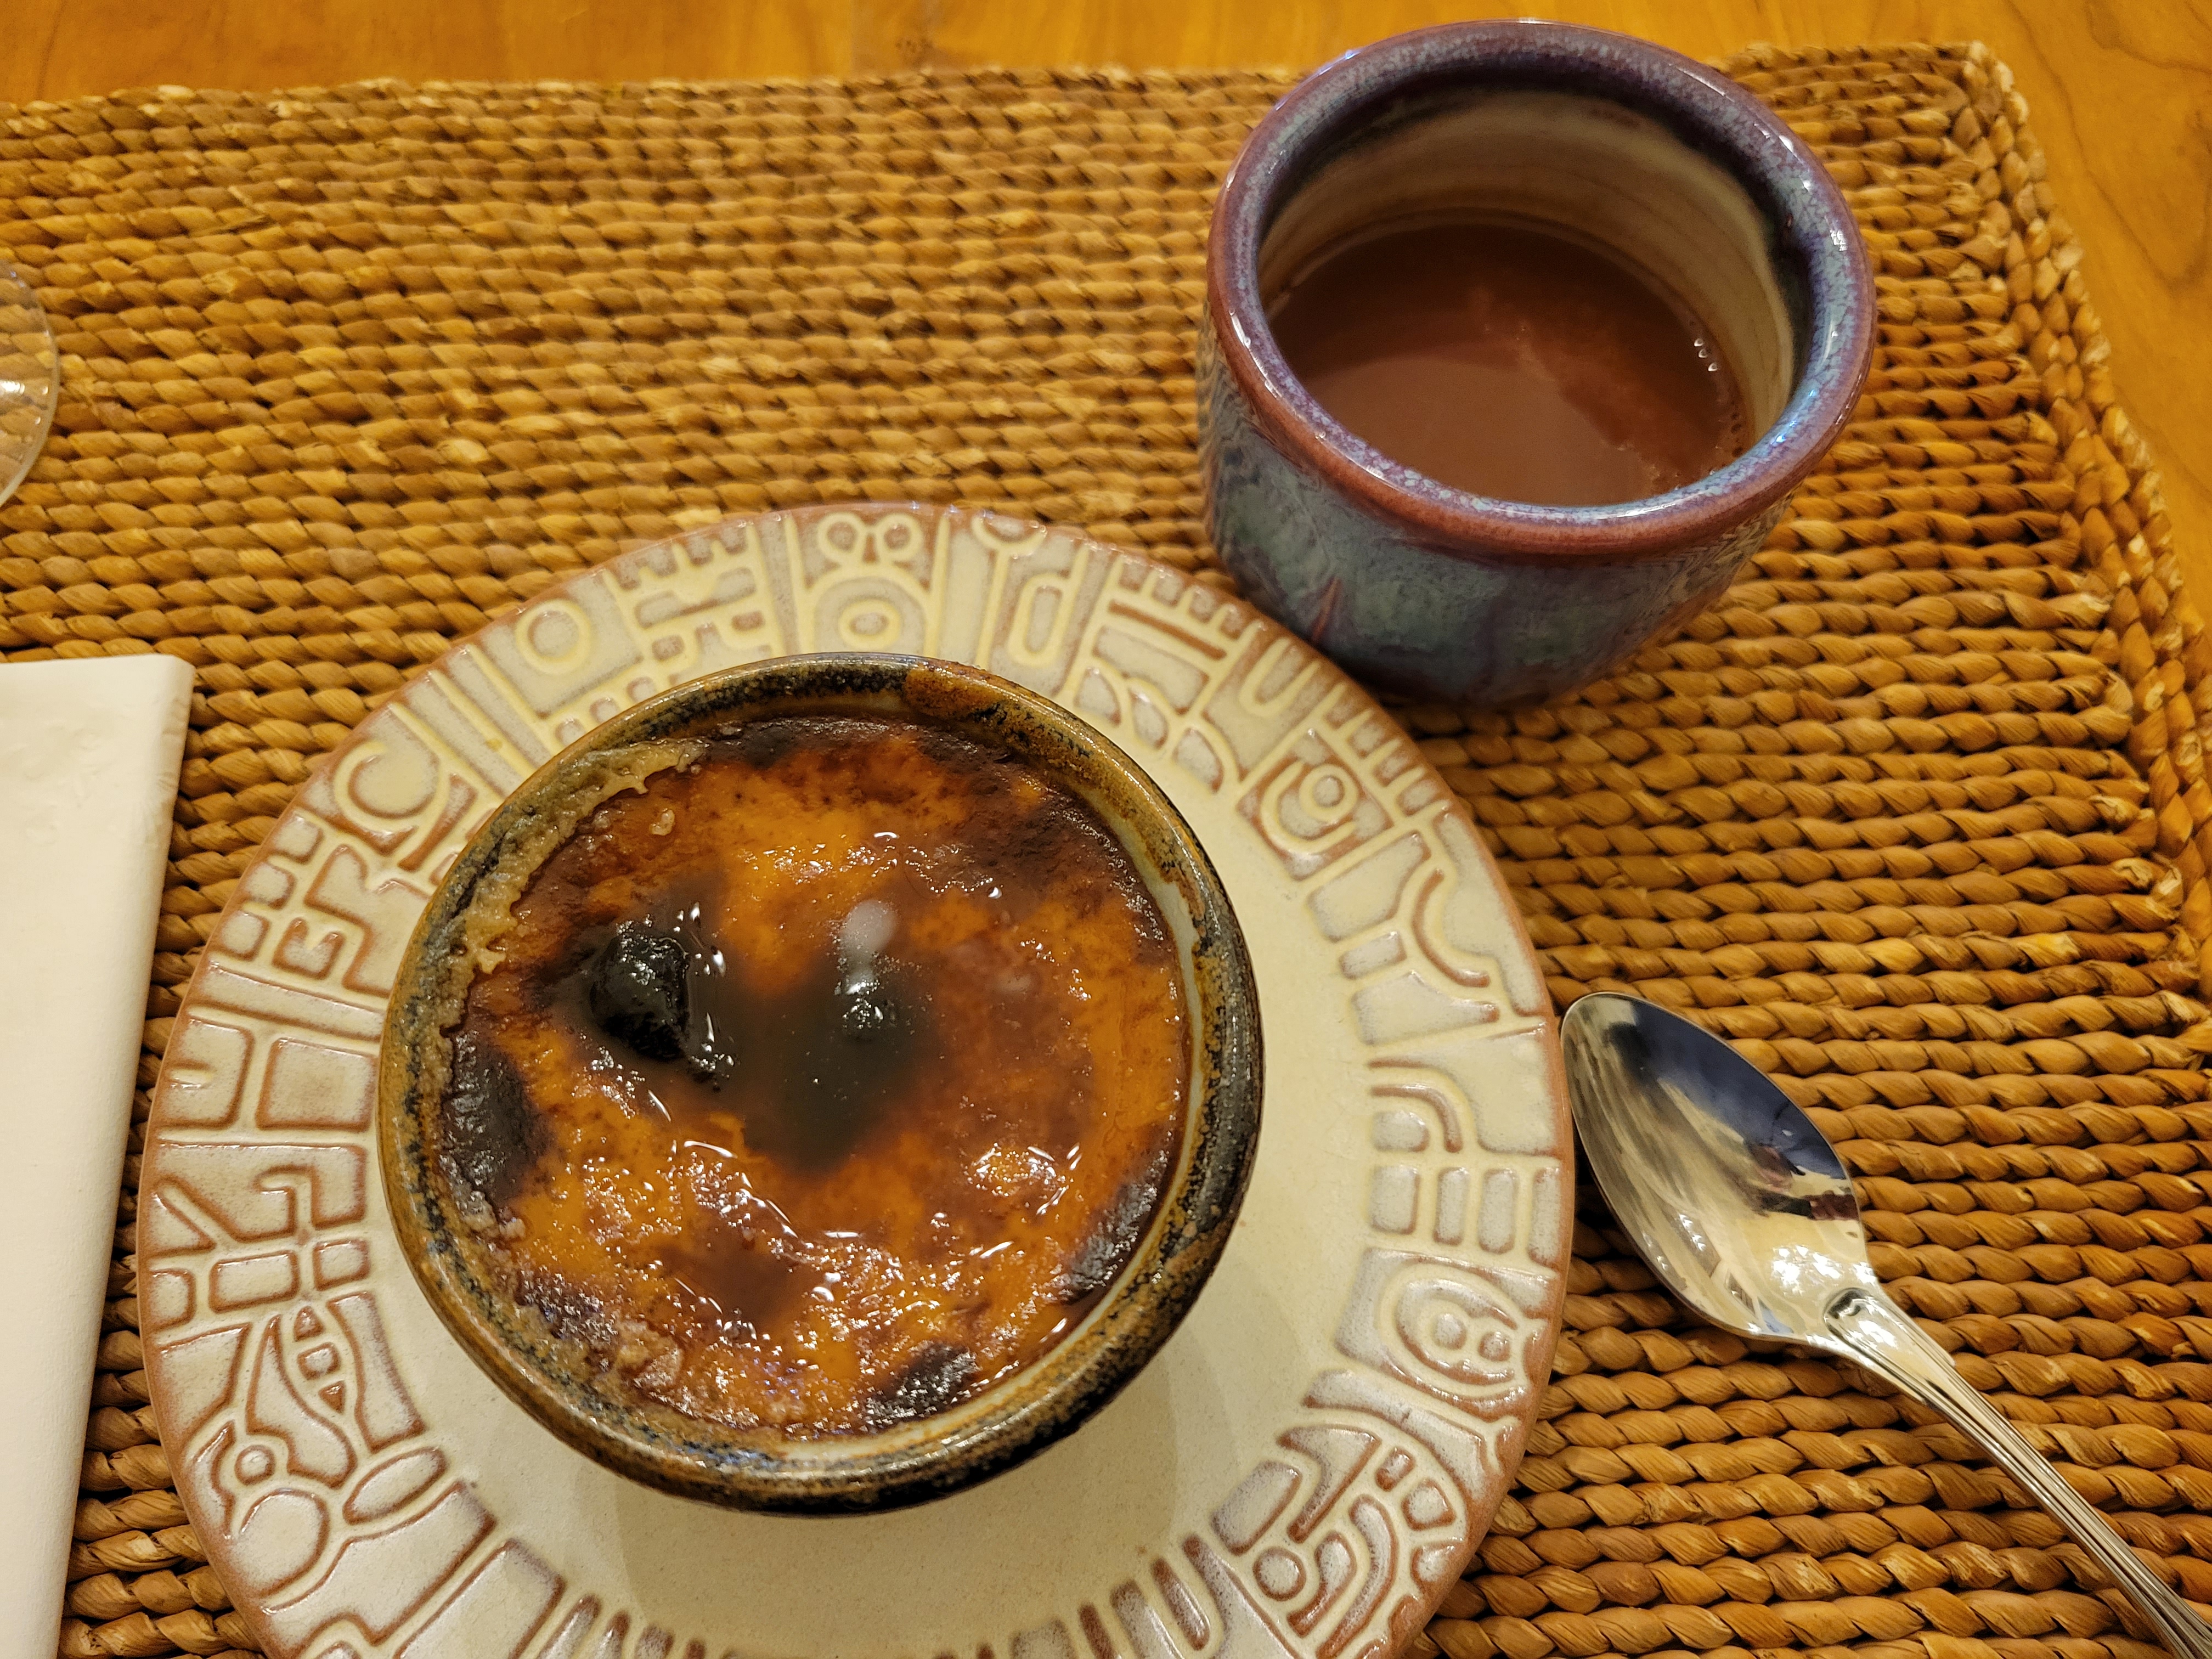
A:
(2121, 96)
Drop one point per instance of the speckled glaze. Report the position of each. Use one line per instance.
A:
(763, 1469)
(1465, 598)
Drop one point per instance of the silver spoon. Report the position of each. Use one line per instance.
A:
(1743, 1208)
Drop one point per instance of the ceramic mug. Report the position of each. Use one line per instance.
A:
(1669, 165)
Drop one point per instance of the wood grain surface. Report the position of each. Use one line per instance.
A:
(2119, 91)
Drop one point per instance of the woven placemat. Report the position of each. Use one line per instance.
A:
(1913, 814)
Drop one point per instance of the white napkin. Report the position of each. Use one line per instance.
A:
(88, 758)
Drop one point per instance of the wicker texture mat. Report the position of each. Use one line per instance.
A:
(1913, 814)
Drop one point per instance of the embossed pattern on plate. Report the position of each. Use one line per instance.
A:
(1302, 1470)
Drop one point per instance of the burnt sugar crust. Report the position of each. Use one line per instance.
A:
(815, 1078)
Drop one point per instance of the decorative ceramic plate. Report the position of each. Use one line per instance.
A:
(1304, 1466)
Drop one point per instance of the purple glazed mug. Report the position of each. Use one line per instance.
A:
(1667, 164)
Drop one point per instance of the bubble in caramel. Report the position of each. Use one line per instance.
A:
(823, 1078)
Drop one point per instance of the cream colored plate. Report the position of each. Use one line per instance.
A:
(1303, 1468)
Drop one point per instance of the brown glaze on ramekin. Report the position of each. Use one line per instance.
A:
(554, 1378)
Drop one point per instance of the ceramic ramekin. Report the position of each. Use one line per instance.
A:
(763, 1469)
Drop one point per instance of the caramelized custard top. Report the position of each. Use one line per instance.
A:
(826, 1080)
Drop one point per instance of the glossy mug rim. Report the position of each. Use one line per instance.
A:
(1043, 1400)
(1701, 107)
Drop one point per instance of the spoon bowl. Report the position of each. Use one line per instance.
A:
(1739, 1202)
(1743, 1207)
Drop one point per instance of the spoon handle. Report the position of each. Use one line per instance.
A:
(1867, 1326)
